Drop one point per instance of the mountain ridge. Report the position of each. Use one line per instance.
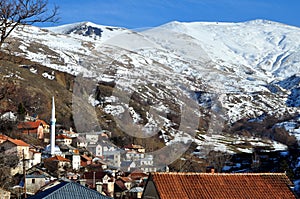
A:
(230, 67)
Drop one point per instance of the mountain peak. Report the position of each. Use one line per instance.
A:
(262, 22)
(80, 28)
(250, 22)
(87, 30)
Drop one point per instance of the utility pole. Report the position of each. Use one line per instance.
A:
(24, 172)
(94, 179)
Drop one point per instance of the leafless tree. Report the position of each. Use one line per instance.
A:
(217, 160)
(14, 13)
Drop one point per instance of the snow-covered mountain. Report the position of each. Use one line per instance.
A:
(85, 30)
(162, 75)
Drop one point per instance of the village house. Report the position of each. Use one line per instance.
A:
(104, 180)
(139, 177)
(100, 147)
(65, 149)
(47, 151)
(128, 182)
(79, 142)
(74, 158)
(148, 168)
(126, 187)
(98, 162)
(35, 157)
(218, 185)
(135, 147)
(128, 165)
(19, 147)
(37, 128)
(34, 181)
(148, 160)
(38, 170)
(135, 193)
(85, 160)
(36, 177)
(63, 139)
(3, 138)
(104, 134)
(97, 166)
(95, 149)
(92, 138)
(69, 133)
(134, 155)
(112, 158)
(57, 164)
(119, 189)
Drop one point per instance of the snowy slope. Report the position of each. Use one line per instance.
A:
(264, 46)
(230, 68)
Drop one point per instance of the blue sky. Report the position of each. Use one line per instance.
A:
(150, 13)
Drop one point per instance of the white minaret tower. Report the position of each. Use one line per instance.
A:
(52, 136)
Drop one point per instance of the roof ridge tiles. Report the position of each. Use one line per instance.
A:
(202, 173)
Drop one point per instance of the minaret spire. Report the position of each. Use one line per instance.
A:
(52, 122)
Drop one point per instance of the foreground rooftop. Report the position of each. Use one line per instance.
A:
(215, 185)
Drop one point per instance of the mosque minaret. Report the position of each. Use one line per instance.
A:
(52, 135)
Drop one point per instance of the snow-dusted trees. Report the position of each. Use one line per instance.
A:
(14, 13)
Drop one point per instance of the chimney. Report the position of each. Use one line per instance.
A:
(210, 169)
(99, 186)
(82, 182)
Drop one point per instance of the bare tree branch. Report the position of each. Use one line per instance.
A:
(14, 13)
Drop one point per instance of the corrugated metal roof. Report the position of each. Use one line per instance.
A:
(35, 176)
(136, 190)
(69, 190)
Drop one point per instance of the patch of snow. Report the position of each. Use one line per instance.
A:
(8, 116)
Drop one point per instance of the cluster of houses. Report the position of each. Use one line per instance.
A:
(90, 159)
(95, 167)
(129, 158)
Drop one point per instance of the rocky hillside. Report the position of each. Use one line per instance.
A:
(24, 83)
(223, 86)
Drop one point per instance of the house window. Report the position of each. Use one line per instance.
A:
(33, 181)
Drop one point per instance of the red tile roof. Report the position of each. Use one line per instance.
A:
(121, 185)
(3, 137)
(31, 125)
(222, 186)
(18, 142)
(138, 175)
(57, 158)
(126, 179)
(86, 157)
(61, 136)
